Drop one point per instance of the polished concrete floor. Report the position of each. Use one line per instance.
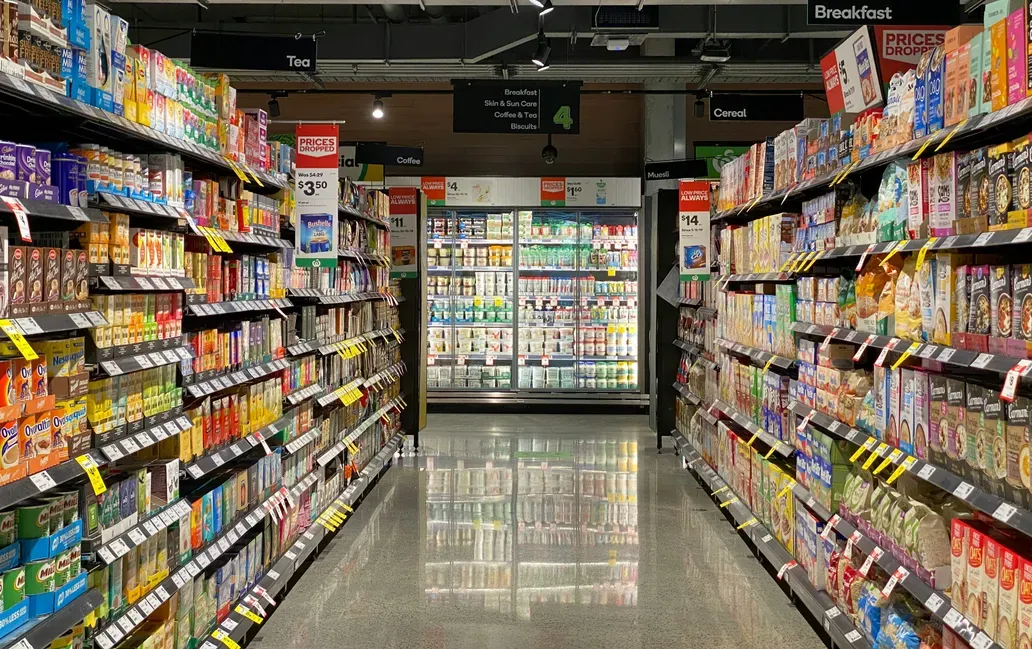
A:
(528, 532)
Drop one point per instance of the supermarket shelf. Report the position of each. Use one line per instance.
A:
(254, 239)
(333, 297)
(47, 324)
(964, 358)
(500, 357)
(108, 201)
(119, 546)
(705, 313)
(42, 631)
(977, 129)
(208, 463)
(465, 396)
(127, 623)
(935, 601)
(820, 606)
(361, 255)
(341, 392)
(389, 374)
(238, 624)
(299, 442)
(688, 347)
(371, 336)
(69, 216)
(760, 277)
(625, 357)
(498, 325)
(955, 242)
(204, 388)
(685, 301)
(466, 269)
(348, 211)
(337, 449)
(550, 357)
(999, 508)
(475, 242)
(557, 269)
(704, 407)
(297, 396)
(133, 443)
(782, 448)
(445, 298)
(238, 306)
(303, 347)
(43, 481)
(760, 357)
(145, 361)
(111, 127)
(144, 283)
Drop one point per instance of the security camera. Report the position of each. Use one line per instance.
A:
(549, 153)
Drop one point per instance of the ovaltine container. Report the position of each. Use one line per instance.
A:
(26, 437)
(65, 176)
(14, 587)
(8, 527)
(10, 445)
(34, 520)
(7, 393)
(39, 577)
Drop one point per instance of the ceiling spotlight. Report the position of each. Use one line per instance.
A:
(543, 67)
(700, 107)
(546, 8)
(377, 108)
(537, 3)
(274, 107)
(541, 54)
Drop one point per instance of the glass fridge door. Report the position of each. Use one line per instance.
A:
(607, 320)
(547, 300)
(471, 303)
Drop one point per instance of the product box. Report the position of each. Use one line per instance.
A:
(1017, 56)
(1007, 598)
(957, 47)
(919, 196)
(921, 95)
(906, 409)
(974, 427)
(998, 43)
(975, 579)
(1000, 190)
(956, 434)
(938, 426)
(921, 413)
(944, 194)
(936, 90)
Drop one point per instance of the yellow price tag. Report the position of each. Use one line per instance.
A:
(211, 240)
(771, 451)
(813, 261)
(924, 251)
(330, 527)
(788, 262)
(751, 521)
(898, 247)
(770, 361)
(497, 524)
(236, 169)
(397, 336)
(497, 302)
(752, 439)
(90, 467)
(874, 455)
(798, 266)
(866, 446)
(756, 202)
(907, 464)
(893, 456)
(347, 508)
(478, 301)
(254, 174)
(14, 332)
(721, 490)
(249, 614)
(952, 133)
(352, 448)
(612, 558)
(783, 492)
(920, 152)
(222, 636)
(906, 354)
(728, 502)
(838, 177)
(611, 272)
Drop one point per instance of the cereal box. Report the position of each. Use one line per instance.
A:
(998, 83)
(1023, 631)
(975, 579)
(959, 533)
(1007, 615)
(975, 80)
(1017, 57)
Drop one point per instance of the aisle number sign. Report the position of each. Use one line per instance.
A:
(315, 239)
(693, 230)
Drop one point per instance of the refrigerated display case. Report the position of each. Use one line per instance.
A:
(539, 302)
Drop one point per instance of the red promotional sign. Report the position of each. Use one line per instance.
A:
(900, 48)
(553, 192)
(403, 200)
(832, 87)
(317, 146)
(433, 188)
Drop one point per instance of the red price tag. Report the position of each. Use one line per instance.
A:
(544, 360)
(863, 257)
(20, 215)
(881, 357)
(1010, 384)
(863, 348)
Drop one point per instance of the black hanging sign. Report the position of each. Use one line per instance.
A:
(513, 107)
(883, 12)
(729, 107)
(377, 153)
(226, 51)
(676, 169)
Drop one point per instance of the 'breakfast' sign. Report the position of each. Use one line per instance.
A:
(882, 12)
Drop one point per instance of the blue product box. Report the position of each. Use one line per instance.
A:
(14, 617)
(48, 603)
(47, 193)
(935, 90)
(207, 519)
(14, 188)
(51, 546)
(102, 99)
(10, 556)
(217, 511)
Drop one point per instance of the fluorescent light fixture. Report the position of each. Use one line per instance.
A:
(547, 8)
(377, 108)
(537, 3)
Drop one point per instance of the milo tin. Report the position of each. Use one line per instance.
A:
(39, 577)
(8, 527)
(14, 587)
(75, 558)
(34, 520)
(57, 504)
(61, 568)
(70, 507)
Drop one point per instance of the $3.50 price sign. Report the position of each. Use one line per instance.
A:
(317, 212)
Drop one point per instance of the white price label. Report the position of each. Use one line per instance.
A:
(1004, 512)
(104, 641)
(179, 578)
(963, 490)
(1023, 236)
(853, 636)
(42, 481)
(135, 617)
(981, 641)
(933, 603)
(137, 536)
(150, 528)
(111, 368)
(984, 238)
(945, 355)
(926, 471)
(981, 361)
(130, 445)
(79, 320)
(144, 283)
(144, 361)
(107, 556)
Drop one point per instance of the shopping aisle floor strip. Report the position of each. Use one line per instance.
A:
(835, 623)
(253, 608)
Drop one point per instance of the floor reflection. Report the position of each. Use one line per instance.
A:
(517, 524)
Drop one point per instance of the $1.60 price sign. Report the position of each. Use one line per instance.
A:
(315, 238)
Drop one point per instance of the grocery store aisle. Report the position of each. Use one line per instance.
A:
(582, 545)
